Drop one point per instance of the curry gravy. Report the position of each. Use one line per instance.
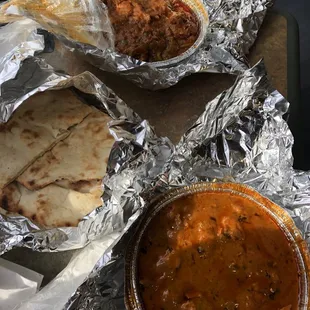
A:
(216, 251)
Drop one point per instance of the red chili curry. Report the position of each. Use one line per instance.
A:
(152, 30)
(216, 251)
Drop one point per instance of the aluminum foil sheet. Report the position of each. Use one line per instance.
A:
(136, 141)
(17, 42)
(240, 137)
(232, 31)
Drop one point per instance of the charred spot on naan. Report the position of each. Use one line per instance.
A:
(4, 202)
(9, 198)
(20, 211)
(94, 127)
(31, 183)
(29, 135)
(82, 186)
(90, 166)
(34, 169)
(28, 115)
(43, 211)
(95, 154)
(50, 157)
(5, 128)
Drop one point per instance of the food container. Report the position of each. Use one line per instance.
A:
(203, 18)
(280, 217)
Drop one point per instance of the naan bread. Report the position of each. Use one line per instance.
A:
(82, 156)
(39, 123)
(52, 206)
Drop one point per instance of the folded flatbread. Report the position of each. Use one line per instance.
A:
(57, 149)
(36, 126)
(78, 159)
(52, 206)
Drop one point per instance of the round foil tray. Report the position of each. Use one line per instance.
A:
(133, 300)
(203, 18)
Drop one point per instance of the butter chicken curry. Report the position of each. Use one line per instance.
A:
(216, 251)
(152, 30)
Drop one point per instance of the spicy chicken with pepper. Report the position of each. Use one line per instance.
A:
(152, 30)
(213, 251)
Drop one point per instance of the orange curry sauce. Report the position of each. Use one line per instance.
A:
(216, 251)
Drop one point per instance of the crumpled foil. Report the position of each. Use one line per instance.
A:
(17, 42)
(232, 31)
(135, 142)
(241, 137)
(233, 28)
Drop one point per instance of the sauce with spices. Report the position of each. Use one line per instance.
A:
(152, 30)
(216, 251)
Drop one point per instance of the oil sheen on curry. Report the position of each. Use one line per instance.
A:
(152, 30)
(216, 251)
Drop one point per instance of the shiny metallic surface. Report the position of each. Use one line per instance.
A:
(233, 28)
(18, 41)
(133, 299)
(134, 137)
(241, 137)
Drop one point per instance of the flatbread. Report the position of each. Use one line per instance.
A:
(52, 206)
(83, 155)
(39, 123)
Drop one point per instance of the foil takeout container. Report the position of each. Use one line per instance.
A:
(228, 29)
(133, 300)
(203, 18)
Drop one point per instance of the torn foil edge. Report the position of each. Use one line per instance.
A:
(241, 137)
(135, 138)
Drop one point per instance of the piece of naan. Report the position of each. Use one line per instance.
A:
(78, 159)
(51, 206)
(36, 126)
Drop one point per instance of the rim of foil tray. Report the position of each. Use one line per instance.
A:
(285, 223)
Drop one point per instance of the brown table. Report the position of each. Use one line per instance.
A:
(170, 111)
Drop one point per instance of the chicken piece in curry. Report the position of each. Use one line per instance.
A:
(216, 251)
(152, 30)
